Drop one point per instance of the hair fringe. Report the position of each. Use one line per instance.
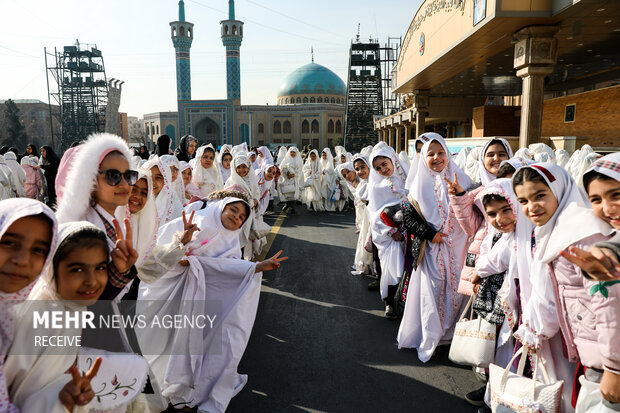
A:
(227, 193)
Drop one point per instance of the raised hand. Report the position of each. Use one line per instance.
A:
(79, 391)
(454, 187)
(600, 263)
(124, 256)
(438, 238)
(271, 264)
(188, 228)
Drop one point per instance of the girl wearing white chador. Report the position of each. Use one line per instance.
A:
(207, 179)
(290, 184)
(18, 176)
(169, 206)
(178, 187)
(6, 180)
(249, 185)
(329, 182)
(385, 192)
(312, 182)
(433, 303)
(36, 377)
(363, 258)
(198, 374)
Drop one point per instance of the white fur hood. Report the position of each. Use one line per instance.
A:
(82, 173)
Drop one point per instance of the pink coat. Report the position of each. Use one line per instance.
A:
(32, 186)
(589, 321)
(467, 209)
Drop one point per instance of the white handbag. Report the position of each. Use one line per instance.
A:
(512, 392)
(473, 343)
(287, 187)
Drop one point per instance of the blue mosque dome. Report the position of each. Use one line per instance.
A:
(312, 79)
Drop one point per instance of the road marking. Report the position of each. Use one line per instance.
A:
(272, 235)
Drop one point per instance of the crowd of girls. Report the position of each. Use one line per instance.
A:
(532, 238)
(182, 229)
(30, 175)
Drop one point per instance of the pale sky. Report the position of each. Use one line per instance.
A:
(134, 37)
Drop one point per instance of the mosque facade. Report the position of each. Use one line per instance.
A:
(310, 108)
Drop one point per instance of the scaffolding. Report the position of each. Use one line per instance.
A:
(76, 82)
(369, 89)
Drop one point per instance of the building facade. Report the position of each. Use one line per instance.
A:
(539, 71)
(35, 116)
(310, 107)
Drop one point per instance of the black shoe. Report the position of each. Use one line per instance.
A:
(373, 286)
(390, 314)
(476, 397)
(485, 409)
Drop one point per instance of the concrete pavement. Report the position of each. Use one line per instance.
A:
(320, 342)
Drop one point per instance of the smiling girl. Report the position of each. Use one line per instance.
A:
(566, 310)
(433, 302)
(206, 174)
(27, 242)
(214, 271)
(97, 189)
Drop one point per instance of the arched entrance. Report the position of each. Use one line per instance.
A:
(207, 131)
(171, 132)
(244, 133)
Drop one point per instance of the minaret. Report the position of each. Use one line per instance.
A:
(232, 35)
(182, 33)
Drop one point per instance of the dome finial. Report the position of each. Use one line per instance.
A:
(312, 53)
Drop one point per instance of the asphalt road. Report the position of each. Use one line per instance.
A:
(320, 342)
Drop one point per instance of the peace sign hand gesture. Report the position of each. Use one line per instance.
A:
(124, 256)
(271, 264)
(188, 228)
(454, 187)
(78, 391)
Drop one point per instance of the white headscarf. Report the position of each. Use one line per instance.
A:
(562, 158)
(361, 191)
(404, 158)
(12, 210)
(263, 184)
(523, 153)
(485, 175)
(264, 155)
(413, 168)
(294, 163)
(608, 165)
(472, 168)
(249, 183)
(178, 186)
(281, 154)
(210, 178)
(347, 166)
(327, 164)
(145, 223)
(385, 191)
(367, 150)
(430, 190)
(542, 152)
(169, 207)
(18, 176)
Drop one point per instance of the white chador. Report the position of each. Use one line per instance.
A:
(433, 303)
(203, 368)
(289, 189)
(363, 258)
(312, 182)
(19, 176)
(169, 206)
(37, 375)
(207, 179)
(384, 192)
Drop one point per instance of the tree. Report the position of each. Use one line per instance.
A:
(15, 129)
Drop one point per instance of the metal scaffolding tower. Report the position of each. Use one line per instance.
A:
(369, 89)
(364, 95)
(388, 56)
(78, 85)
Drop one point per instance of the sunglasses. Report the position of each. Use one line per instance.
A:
(113, 176)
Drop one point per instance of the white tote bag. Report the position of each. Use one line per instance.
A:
(512, 392)
(473, 343)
